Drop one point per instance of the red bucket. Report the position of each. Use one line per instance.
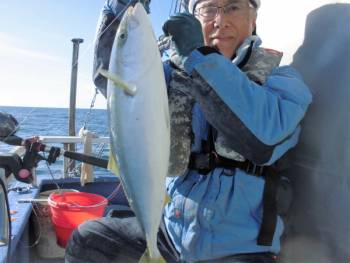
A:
(70, 209)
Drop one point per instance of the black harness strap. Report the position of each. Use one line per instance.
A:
(209, 160)
(206, 162)
(269, 218)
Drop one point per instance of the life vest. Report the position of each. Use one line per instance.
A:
(216, 152)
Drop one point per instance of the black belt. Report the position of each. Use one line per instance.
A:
(206, 162)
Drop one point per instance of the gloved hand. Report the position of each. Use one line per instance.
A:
(186, 35)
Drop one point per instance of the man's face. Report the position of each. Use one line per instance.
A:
(227, 27)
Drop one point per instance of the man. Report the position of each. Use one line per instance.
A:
(242, 115)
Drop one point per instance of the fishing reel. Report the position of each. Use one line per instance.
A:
(12, 163)
(22, 168)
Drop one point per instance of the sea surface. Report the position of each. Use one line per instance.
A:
(54, 122)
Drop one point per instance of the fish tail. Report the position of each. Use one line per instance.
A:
(146, 258)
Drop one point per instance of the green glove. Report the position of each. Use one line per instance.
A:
(186, 34)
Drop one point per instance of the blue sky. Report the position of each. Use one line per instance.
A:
(36, 51)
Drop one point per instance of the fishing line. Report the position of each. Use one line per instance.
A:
(171, 7)
(85, 52)
(100, 149)
(88, 115)
(50, 172)
(35, 209)
(102, 32)
(36, 241)
(115, 192)
(178, 5)
(82, 56)
(117, 17)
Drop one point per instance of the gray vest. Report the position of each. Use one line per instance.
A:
(259, 65)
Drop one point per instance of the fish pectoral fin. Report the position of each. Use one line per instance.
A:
(146, 258)
(112, 164)
(167, 199)
(129, 89)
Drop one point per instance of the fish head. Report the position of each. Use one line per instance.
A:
(133, 32)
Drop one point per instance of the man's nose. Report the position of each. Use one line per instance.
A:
(221, 18)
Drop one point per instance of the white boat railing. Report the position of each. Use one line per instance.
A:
(70, 139)
(65, 141)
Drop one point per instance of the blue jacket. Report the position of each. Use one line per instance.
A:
(217, 215)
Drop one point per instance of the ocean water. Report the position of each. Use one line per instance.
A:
(54, 121)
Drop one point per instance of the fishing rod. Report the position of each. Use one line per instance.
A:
(21, 168)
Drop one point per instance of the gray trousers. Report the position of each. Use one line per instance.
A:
(120, 239)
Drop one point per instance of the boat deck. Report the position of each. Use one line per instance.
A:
(27, 227)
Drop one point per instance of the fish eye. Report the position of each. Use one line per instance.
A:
(122, 36)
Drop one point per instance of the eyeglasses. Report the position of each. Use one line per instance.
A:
(233, 8)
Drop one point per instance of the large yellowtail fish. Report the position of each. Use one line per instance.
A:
(139, 122)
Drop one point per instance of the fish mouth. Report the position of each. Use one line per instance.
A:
(133, 14)
(129, 11)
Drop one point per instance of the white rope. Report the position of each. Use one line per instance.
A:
(86, 172)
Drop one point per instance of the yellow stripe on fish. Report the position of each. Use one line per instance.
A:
(112, 164)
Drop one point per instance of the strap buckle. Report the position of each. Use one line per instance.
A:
(254, 169)
(200, 161)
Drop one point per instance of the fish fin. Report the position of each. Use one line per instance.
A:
(146, 258)
(112, 164)
(167, 199)
(130, 89)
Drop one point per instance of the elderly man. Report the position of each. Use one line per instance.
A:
(239, 114)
